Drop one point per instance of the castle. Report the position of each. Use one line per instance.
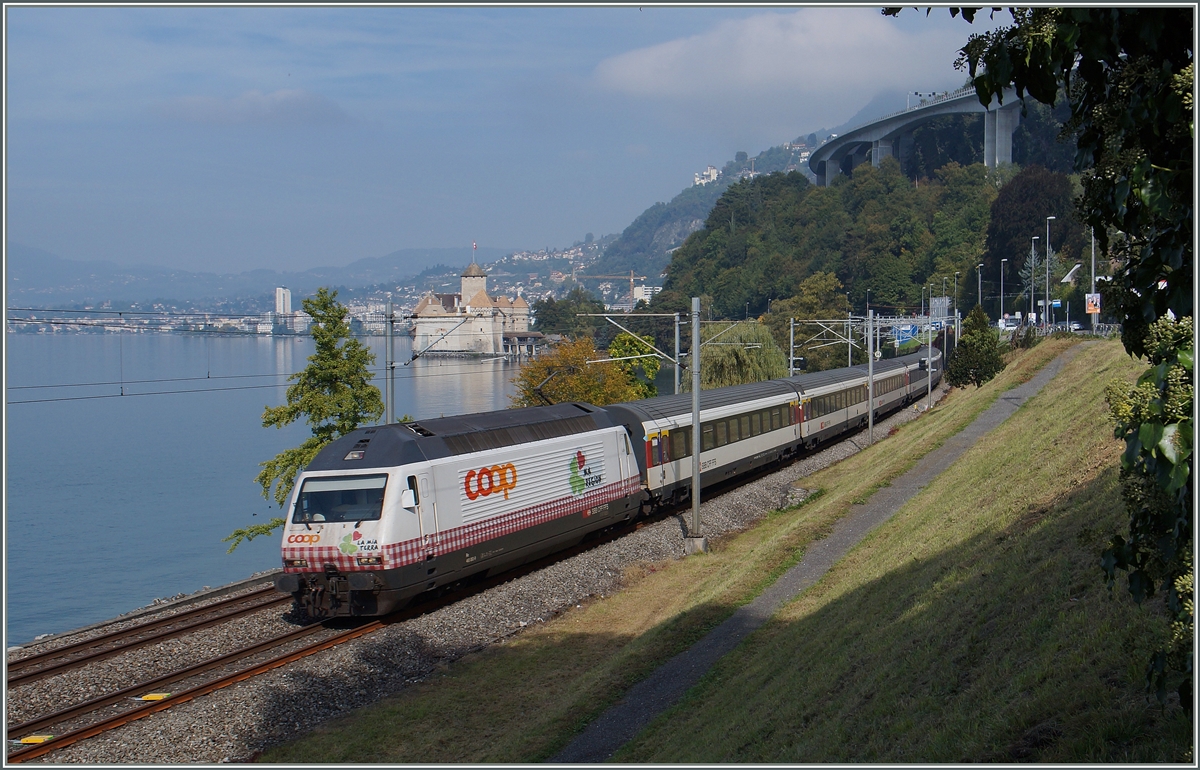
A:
(472, 323)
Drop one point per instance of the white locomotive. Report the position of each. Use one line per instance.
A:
(388, 512)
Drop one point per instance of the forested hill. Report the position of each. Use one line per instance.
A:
(646, 245)
(875, 230)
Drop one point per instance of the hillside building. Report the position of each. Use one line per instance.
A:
(472, 322)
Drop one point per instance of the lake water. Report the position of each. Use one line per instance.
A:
(112, 501)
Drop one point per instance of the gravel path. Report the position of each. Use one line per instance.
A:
(234, 723)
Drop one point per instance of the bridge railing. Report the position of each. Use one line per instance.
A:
(948, 96)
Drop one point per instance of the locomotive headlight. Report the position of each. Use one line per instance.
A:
(295, 562)
(370, 561)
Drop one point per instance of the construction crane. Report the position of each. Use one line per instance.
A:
(631, 278)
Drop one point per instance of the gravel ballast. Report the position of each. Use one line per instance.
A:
(234, 723)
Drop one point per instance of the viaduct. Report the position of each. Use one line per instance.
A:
(892, 134)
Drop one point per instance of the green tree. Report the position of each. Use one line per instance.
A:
(564, 374)
(737, 353)
(333, 394)
(820, 296)
(977, 356)
(551, 316)
(624, 345)
(1129, 77)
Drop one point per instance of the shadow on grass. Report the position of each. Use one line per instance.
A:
(1007, 647)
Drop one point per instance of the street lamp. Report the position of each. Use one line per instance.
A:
(1032, 265)
(1047, 269)
(1002, 288)
(979, 275)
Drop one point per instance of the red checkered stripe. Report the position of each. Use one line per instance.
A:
(416, 550)
(320, 555)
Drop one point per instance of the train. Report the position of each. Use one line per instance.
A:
(389, 512)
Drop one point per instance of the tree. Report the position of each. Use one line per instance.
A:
(1129, 74)
(977, 356)
(820, 297)
(1019, 212)
(551, 316)
(737, 353)
(564, 374)
(625, 345)
(333, 394)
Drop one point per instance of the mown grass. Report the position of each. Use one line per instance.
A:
(973, 626)
(524, 700)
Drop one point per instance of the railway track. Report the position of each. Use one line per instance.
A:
(87, 651)
(152, 703)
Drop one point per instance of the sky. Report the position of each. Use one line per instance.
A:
(225, 139)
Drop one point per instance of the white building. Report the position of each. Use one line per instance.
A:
(710, 175)
(471, 322)
(283, 301)
(644, 293)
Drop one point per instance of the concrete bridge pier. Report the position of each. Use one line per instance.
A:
(880, 149)
(998, 127)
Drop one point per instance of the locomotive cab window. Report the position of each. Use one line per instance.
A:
(340, 498)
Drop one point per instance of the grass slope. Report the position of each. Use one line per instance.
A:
(947, 635)
(973, 626)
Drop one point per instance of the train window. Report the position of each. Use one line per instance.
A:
(412, 484)
(653, 454)
(745, 431)
(340, 498)
(706, 437)
(755, 424)
(733, 429)
(722, 433)
(680, 442)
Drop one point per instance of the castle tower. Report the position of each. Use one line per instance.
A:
(474, 280)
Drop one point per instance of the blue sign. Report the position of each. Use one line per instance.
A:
(905, 333)
(1056, 303)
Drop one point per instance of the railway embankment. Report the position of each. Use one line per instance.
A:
(974, 625)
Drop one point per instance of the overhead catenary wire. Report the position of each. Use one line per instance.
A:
(411, 375)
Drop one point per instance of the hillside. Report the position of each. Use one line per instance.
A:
(647, 244)
(876, 231)
(973, 626)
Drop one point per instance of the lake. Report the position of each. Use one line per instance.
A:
(114, 500)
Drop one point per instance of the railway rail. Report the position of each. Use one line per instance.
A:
(87, 651)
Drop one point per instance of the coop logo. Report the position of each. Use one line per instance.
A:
(309, 539)
(487, 481)
(581, 476)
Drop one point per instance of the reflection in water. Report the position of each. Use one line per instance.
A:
(437, 387)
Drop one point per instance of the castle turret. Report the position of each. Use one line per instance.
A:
(474, 280)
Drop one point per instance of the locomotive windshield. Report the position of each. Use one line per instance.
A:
(340, 498)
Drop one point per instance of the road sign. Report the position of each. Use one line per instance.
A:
(878, 354)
